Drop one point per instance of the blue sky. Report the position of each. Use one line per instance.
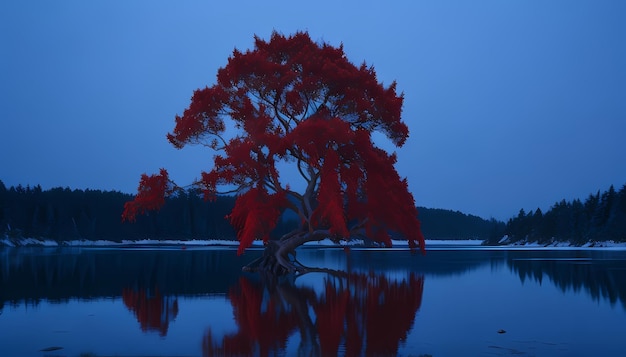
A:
(510, 104)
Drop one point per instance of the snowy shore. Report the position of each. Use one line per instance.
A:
(32, 242)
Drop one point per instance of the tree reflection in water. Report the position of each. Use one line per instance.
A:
(153, 310)
(354, 314)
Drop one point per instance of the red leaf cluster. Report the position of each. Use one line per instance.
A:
(201, 118)
(255, 215)
(150, 195)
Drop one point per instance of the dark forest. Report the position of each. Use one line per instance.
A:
(600, 217)
(63, 214)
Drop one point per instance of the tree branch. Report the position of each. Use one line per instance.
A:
(308, 193)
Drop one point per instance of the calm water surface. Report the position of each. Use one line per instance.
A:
(455, 301)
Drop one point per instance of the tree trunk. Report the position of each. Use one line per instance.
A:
(279, 255)
(271, 262)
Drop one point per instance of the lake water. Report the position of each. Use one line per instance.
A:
(454, 301)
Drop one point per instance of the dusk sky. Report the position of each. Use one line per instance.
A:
(510, 104)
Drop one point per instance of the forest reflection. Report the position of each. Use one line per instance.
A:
(349, 315)
(601, 279)
(29, 276)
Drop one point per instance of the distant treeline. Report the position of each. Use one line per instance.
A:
(446, 224)
(63, 214)
(601, 217)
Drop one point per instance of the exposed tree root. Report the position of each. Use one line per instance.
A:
(273, 261)
(279, 259)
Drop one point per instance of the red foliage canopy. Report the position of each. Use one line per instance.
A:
(297, 101)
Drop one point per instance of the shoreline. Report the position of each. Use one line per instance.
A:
(471, 243)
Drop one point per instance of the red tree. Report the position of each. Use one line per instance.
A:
(297, 101)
